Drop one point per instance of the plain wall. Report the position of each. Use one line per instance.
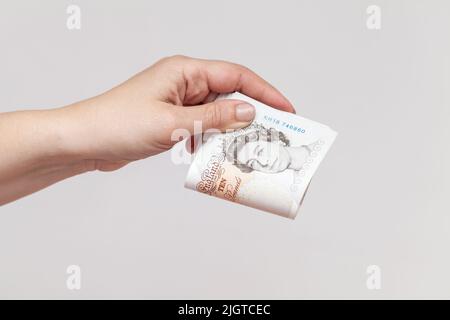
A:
(379, 198)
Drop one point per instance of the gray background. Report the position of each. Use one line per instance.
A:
(380, 197)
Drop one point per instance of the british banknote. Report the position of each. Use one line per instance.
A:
(267, 165)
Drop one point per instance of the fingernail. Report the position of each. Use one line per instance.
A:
(245, 112)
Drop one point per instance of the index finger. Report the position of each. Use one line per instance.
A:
(226, 77)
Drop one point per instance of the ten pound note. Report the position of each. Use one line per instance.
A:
(267, 165)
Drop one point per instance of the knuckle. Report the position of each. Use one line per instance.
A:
(173, 59)
(241, 68)
(178, 57)
(169, 120)
(90, 165)
(213, 116)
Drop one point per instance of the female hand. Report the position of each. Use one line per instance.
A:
(132, 121)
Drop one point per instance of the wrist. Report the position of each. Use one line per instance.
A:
(34, 153)
(69, 139)
(34, 144)
(53, 142)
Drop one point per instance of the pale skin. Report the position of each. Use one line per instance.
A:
(130, 122)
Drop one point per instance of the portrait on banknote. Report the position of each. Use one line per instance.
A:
(267, 165)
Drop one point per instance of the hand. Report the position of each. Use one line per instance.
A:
(132, 121)
(136, 119)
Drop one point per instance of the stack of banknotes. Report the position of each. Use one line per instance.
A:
(267, 165)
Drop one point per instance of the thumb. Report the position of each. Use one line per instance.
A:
(220, 114)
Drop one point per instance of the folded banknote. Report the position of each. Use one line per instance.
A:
(267, 165)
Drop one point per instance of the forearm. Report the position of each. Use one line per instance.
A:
(34, 152)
